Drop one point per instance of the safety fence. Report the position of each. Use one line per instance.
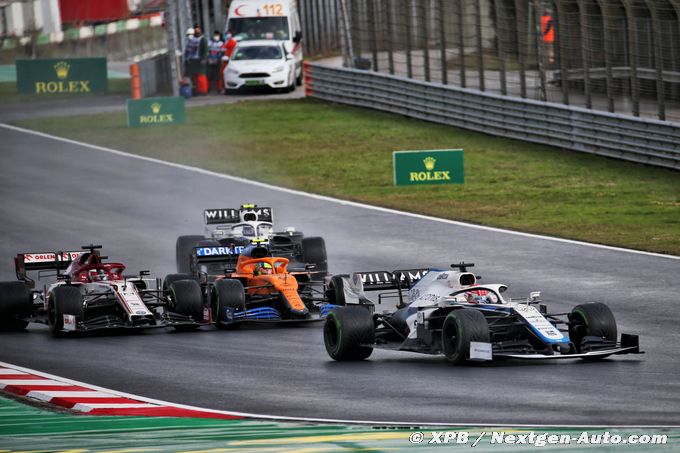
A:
(617, 136)
(320, 21)
(618, 56)
(155, 75)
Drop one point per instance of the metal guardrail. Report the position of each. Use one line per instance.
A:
(644, 141)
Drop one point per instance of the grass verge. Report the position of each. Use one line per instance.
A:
(346, 152)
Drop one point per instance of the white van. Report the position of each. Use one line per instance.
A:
(268, 19)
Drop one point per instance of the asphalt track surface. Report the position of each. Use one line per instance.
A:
(58, 195)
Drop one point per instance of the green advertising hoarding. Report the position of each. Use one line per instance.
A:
(62, 76)
(155, 111)
(441, 166)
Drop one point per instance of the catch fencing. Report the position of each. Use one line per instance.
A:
(155, 75)
(619, 56)
(624, 137)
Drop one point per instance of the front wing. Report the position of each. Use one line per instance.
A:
(630, 344)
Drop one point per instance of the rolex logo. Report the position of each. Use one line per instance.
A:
(62, 69)
(429, 163)
(155, 108)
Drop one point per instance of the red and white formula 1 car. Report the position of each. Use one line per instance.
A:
(91, 294)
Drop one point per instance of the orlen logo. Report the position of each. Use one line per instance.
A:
(47, 257)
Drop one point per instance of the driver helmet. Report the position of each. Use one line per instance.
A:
(97, 275)
(263, 269)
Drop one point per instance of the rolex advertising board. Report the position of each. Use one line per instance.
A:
(155, 111)
(62, 76)
(428, 167)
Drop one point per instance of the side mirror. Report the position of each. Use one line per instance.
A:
(534, 296)
(225, 58)
(290, 56)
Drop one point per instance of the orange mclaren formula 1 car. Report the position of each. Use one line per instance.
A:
(258, 287)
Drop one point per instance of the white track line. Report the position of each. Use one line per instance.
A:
(152, 401)
(47, 395)
(52, 383)
(335, 200)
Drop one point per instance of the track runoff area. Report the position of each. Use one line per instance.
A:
(117, 421)
(429, 437)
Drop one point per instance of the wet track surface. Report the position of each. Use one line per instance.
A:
(57, 195)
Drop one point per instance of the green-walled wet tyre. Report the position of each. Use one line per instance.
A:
(591, 320)
(460, 328)
(347, 333)
(227, 299)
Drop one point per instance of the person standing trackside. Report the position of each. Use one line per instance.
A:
(548, 31)
(229, 46)
(216, 49)
(195, 58)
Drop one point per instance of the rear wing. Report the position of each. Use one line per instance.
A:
(395, 280)
(226, 256)
(246, 213)
(25, 262)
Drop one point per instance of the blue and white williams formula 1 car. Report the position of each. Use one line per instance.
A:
(449, 313)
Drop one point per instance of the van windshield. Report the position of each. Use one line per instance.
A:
(260, 28)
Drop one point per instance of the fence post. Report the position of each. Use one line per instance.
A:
(479, 45)
(409, 30)
(373, 35)
(426, 45)
(442, 39)
(540, 48)
(171, 35)
(347, 32)
(560, 36)
(390, 36)
(632, 55)
(461, 41)
(500, 43)
(585, 52)
(606, 34)
(658, 59)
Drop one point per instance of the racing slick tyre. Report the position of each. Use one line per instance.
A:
(64, 300)
(459, 329)
(314, 252)
(227, 293)
(346, 331)
(187, 300)
(591, 320)
(183, 248)
(15, 300)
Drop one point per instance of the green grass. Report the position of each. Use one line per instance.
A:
(346, 152)
(9, 95)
